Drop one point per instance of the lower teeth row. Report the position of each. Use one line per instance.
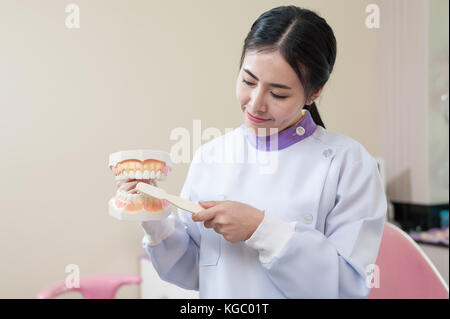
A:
(133, 197)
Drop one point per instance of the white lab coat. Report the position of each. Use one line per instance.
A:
(325, 209)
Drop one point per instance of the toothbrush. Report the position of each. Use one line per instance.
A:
(160, 193)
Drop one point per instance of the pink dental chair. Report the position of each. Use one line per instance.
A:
(405, 271)
(93, 287)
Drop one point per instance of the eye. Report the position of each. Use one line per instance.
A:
(278, 96)
(274, 95)
(248, 83)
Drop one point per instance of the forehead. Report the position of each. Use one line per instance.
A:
(270, 67)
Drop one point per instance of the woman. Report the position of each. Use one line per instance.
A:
(307, 228)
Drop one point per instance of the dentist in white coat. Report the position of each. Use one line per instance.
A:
(303, 220)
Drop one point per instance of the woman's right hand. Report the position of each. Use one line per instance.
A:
(156, 230)
(127, 185)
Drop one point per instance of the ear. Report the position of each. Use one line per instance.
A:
(314, 96)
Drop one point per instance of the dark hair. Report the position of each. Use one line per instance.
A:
(303, 38)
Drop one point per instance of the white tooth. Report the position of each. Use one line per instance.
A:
(146, 175)
(135, 197)
(131, 174)
(152, 175)
(129, 197)
(125, 175)
(138, 175)
(158, 174)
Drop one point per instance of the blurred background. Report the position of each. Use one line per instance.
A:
(135, 70)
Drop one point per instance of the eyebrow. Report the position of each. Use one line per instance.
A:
(281, 86)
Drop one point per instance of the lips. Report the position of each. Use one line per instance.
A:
(256, 119)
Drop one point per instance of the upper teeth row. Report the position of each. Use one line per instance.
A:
(140, 175)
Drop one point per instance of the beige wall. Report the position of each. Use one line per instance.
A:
(134, 71)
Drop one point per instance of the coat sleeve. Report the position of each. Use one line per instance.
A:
(176, 257)
(305, 263)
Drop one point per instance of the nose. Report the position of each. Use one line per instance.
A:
(258, 103)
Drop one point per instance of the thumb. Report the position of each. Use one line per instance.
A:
(204, 215)
(208, 204)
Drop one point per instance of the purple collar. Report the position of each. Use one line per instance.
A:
(285, 138)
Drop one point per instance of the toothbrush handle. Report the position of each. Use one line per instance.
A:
(183, 203)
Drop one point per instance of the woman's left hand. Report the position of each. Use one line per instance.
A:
(236, 221)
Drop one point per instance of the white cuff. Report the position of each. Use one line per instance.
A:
(270, 237)
(157, 230)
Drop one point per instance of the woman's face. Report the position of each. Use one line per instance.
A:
(269, 89)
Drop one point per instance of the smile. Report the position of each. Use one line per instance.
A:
(255, 119)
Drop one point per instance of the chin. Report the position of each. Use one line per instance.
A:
(263, 131)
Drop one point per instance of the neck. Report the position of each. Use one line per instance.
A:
(302, 115)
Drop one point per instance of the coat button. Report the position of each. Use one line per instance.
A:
(300, 131)
(307, 218)
(327, 152)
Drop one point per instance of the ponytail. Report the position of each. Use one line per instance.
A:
(314, 114)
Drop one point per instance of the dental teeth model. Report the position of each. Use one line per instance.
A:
(148, 166)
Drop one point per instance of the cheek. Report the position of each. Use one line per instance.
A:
(242, 93)
(283, 111)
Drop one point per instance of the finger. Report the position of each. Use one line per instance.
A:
(128, 186)
(217, 229)
(208, 224)
(208, 204)
(204, 215)
(123, 181)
